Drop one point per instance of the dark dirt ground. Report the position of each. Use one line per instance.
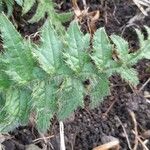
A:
(89, 128)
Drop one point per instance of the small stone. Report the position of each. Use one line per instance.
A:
(106, 139)
(146, 93)
(146, 134)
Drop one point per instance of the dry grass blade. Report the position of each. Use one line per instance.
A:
(142, 143)
(108, 110)
(146, 134)
(124, 130)
(143, 86)
(113, 144)
(135, 129)
(94, 16)
(79, 14)
(141, 3)
(76, 9)
(42, 138)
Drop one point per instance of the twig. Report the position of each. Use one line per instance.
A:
(140, 4)
(137, 17)
(107, 146)
(147, 96)
(135, 129)
(108, 110)
(142, 143)
(144, 85)
(62, 138)
(45, 138)
(144, 2)
(114, 13)
(148, 101)
(145, 142)
(124, 130)
(84, 4)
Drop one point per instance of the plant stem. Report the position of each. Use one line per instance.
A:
(62, 137)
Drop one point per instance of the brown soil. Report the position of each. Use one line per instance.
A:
(88, 128)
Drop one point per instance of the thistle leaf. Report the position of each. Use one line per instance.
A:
(140, 37)
(49, 52)
(45, 104)
(122, 47)
(57, 72)
(18, 55)
(99, 89)
(19, 2)
(2, 99)
(102, 49)
(70, 97)
(130, 75)
(9, 4)
(47, 7)
(148, 32)
(1, 6)
(17, 108)
(4, 78)
(144, 52)
(77, 44)
(43, 6)
(64, 17)
(27, 5)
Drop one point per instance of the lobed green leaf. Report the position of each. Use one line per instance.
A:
(99, 89)
(27, 5)
(44, 102)
(122, 48)
(52, 73)
(70, 97)
(49, 52)
(16, 109)
(130, 75)
(102, 49)
(18, 55)
(75, 53)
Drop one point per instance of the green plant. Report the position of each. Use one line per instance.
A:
(44, 6)
(47, 6)
(9, 4)
(47, 79)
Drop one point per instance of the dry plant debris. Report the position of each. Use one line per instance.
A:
(141, 4)
(90, 17)
(138, 138)
(132, 114)
(110, 145)
(142, 142)
(146, 134)
(124, 130)
(143, 86)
